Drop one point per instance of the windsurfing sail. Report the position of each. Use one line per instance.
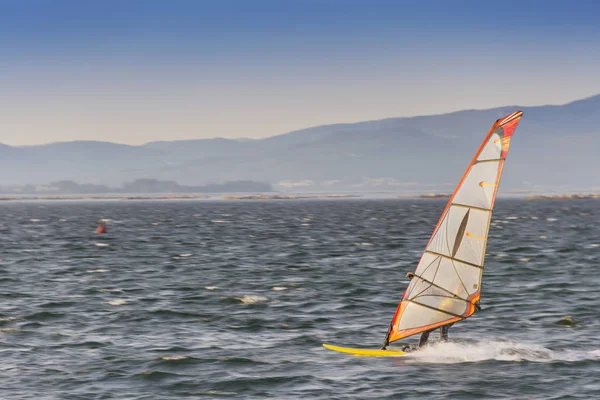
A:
(446, 285)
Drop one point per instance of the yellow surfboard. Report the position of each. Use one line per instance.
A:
(366, 352)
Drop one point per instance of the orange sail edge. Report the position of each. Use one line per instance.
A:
(397, 335)
(510, 118)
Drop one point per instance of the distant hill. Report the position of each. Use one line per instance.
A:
(554, 149)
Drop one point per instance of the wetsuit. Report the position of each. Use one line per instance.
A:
(443, 332)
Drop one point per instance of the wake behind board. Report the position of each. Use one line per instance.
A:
(366, 352)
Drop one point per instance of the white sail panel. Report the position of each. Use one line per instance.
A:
(428, 266)
(444, 303)
(492, 149)
(469, 275)
(421, 287)
(415, 315)
(445, 237)
(441, 272)
(448, 278)
(472, 245)
(479, 186)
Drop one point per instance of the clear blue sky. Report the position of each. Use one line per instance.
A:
(135, 71)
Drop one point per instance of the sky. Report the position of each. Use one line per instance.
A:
(141, 70)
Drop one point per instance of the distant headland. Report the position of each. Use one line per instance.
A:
(564, 196)
(136, 187)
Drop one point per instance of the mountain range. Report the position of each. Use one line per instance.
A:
(554, 149)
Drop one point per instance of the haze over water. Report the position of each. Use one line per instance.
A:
(207, 299)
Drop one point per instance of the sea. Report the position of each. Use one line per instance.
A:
(218, 299)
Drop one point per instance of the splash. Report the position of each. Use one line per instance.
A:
(118, 302)
(250, 299)
(174, 358)
(455, 352)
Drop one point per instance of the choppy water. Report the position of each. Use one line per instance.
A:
(223, 299)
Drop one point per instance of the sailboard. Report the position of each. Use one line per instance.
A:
(446, 285)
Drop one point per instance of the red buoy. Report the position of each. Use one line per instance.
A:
(101, 228)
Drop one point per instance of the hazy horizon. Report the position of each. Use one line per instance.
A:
(135, 72)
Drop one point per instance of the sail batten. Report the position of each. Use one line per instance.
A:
(486, 161)
(446, 285)
(435, 309)
(454, 259)
(467, 206)
(454, 295)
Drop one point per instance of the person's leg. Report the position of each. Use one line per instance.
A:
(424, 338)
(444, 332)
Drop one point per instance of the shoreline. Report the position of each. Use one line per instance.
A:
(280, 196)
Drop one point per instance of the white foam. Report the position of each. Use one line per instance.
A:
(102, 244)
(454, 352)
(118, 302)
(97, 271)
(252, 299)
(112, 290)
(173, 358)
(217, 392)
(278, 288)
(364, 244)
(211, 287)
